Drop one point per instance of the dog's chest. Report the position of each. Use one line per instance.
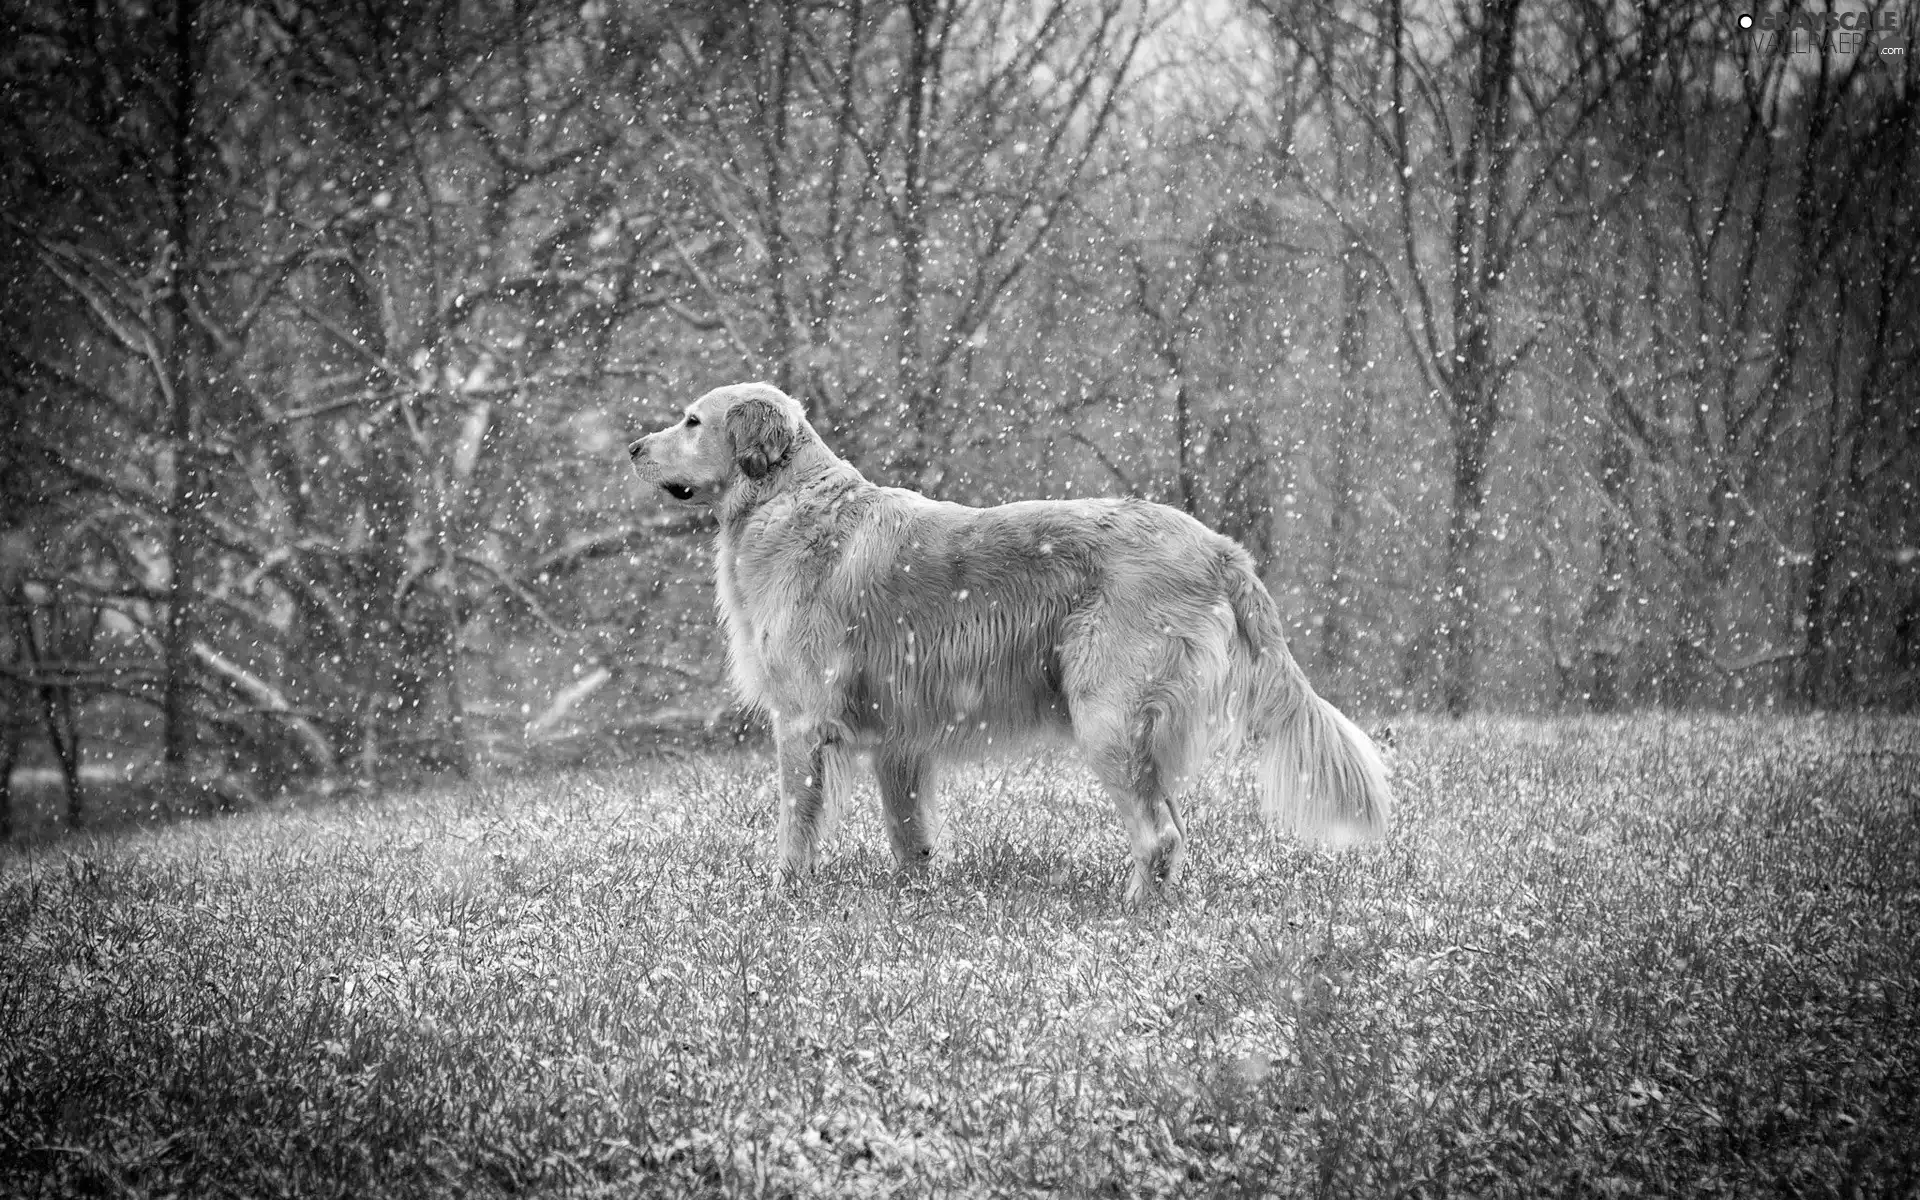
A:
(767, 590)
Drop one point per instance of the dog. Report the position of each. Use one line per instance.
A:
(869, 620)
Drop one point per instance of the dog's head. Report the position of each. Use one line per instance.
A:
(736, 435)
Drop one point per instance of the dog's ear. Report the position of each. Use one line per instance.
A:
(760, 436)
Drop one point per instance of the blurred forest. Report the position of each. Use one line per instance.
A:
(1548, 356)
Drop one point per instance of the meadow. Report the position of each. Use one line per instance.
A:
(1650, 956)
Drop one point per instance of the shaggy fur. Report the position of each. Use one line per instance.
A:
(869, 619)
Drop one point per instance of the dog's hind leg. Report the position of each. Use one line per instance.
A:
(906, 796)
(1129, 757)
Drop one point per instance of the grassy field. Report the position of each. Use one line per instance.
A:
(1627, 958)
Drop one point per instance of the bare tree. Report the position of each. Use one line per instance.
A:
(299, 354)
(923, 152)
(121, 245)
(1483, 106)
(179, 336)
(1738, 421)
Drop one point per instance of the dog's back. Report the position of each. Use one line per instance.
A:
(956, 629)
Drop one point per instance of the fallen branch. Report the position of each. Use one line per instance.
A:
(570, 698)
(269, 699)
(577, 551)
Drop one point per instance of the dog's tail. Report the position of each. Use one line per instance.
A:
(1319, 775)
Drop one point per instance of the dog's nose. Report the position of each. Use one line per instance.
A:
(635, 446)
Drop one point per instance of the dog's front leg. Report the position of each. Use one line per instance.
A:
(906, 797)
(802, 753)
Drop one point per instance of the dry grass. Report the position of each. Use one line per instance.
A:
(1645, 957)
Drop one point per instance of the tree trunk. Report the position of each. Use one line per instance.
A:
(1474, 379)
(63, 734)
(1183, 444)
(51, 647)
(1819, 662)
(181, 383)
(1349, 427)
(774, 99)
(9, 755)
(1472, 435)
(1603, 619)
(910, 459)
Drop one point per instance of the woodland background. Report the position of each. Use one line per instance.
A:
(1549, 357)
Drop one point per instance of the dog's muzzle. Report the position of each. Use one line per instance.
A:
(643, 464)
(650, 471)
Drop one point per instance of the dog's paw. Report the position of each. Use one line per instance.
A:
(782, 883)
(792, 875)
(1142, 888)
(917, 862)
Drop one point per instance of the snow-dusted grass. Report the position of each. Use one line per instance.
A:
(1650, 956)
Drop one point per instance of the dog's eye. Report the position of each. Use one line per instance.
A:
(692, 421)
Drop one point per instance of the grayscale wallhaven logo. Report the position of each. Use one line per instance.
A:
(1801, 31)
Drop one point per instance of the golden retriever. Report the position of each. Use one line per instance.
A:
(873, 620)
